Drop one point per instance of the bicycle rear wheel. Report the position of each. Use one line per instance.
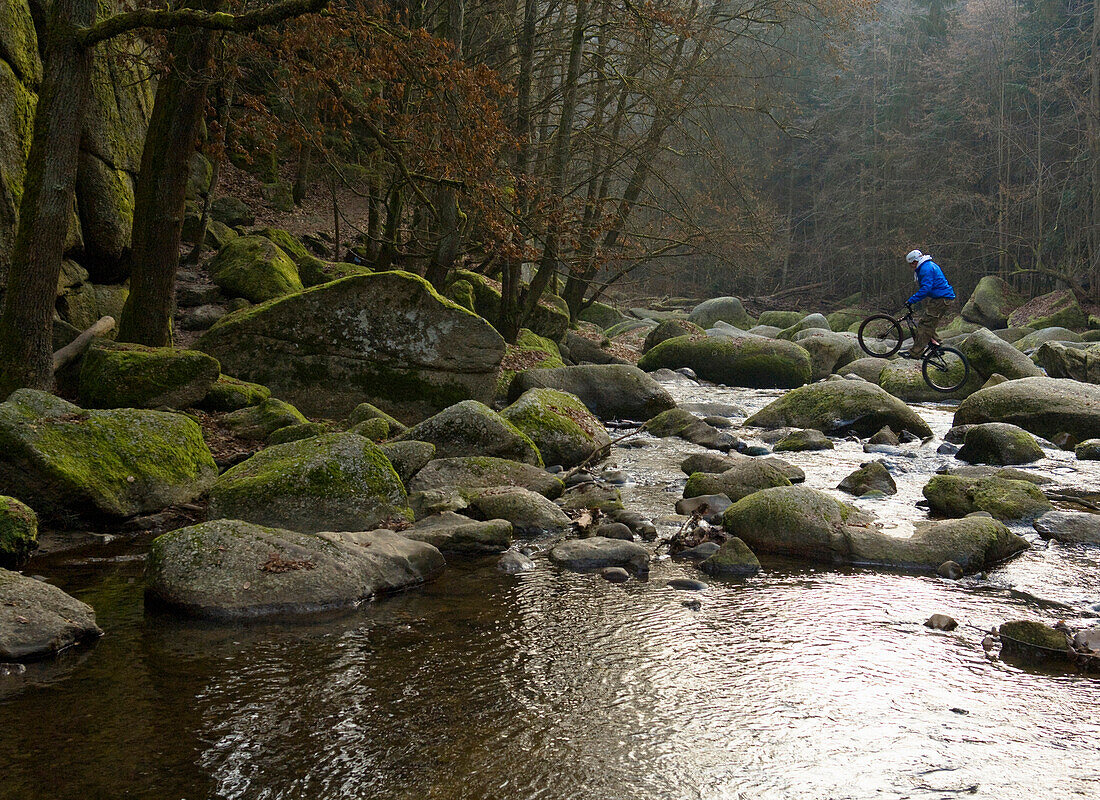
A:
(945, 369)
(880, 335)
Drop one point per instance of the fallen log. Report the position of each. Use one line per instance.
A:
(73, 349)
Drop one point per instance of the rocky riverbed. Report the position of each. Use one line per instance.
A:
(814, 680)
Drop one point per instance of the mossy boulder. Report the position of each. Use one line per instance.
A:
(469, 473)
(592, 495)
(1033, 642)
(610, 391)
(843, 320)
(1005, 499)
(733, 559)
(999, 443)
(530, 351)
(684, 424)
(799, 441)
(780, 319)
(991, 303)
(904, 380)
(1046, 407)
(20, 73)
(38, 620)
(670, 329)
(598, 552)
(232, 211)
(118, 375)
(84, 305)
(563, 429)
(738, 481)
(630, 325)
(989, 354)
(870, 369)
(301, 430)
(840, 406)
(601, 314)
(471, 428)
(312, 271)
(1033, 341)
(974, 543)
(528, 512)
(255, 268)
(714, 463)
(260, 421)
(18, 532)
(229, 569)
(750, 361)
(721, 309)
(1088, 450)
(809, 322)
(550, 317)
(872, 477)
(1079, 363)
(64, 460)
(453, 533)
(388, 338)
(366, 411)
(829, 352)
(335, 482)
(1056, 309)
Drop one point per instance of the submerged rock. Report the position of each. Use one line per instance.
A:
(38, 620)
(514, 562)
(1033, 642)
(584, 555)
(610, 391)
(838, 406)
(336, 482)
(228, 569)
(61, 459)
(999, 443)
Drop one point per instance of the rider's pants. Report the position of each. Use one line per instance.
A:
(934, 309)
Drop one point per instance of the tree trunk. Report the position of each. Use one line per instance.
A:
(160, 192)
(26, 350)
(225, 101)
(301, 178)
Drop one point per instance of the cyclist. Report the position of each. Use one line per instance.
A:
(936, 292)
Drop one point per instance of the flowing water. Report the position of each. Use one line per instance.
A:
(803, 681)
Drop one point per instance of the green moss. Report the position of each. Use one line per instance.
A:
(462, 292)
(230, 394)
(601, 314)
(366, 411)
(262, 420)
(255, 268)
(302, 430)
(376, 429)
(780, 319)
(743, 361)
(132, 376)
(1035, 634)
(18, 532)
(530, 351)
(957, 496)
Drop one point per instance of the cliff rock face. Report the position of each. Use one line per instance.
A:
(110, 148)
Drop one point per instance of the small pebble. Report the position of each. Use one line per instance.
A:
(947, 449)
(950, 570)
(693, 604)
(615, 530)
(687, 584)
(941, 622)
(615, 574)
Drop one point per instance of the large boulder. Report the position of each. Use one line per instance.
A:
(872, 477)
(989, 354)
(1060, 361)
(530, 351)
(228, 569)
(470, 473)
(131, 376)
(809, 322)
(471, 428)
(999, 443)
(453, 533)
(550, 317)
(1059, 309)
(563, 429)
(1046, 407)
(387, 338)
(738, 481)
(670, 329)
(230, 394)
(258, 422)
(20, 74)
(829, 352)
(991, 303)
(528, 512)
(809, 524)
(1034, 340)
(38, 620)
(610, 391)
(601, 314)
(904, 379)
(62, 460)
(1005, 499)
(847, 318)
(1075, 527)
(678, 422)
(1088, 450)
(334, 482)
(839, 406)
(408, 458)
(870, 369)
(780, 319)
(255, 268)
(714, 463)
(751, 361)
(18, 532)
(721, 309)
(311, 270)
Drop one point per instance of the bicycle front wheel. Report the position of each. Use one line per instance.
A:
(945, 369)
(880, 335)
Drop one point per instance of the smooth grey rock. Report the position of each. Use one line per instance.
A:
(615, 530)
(614, 574)
(1069, 526)
(38, 620)
(612, 391)
(530, 513)
(514, 562)
(477, 472)
(453, 533)
(595, 553)
(698, 553)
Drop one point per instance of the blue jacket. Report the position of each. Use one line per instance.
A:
(932, 283)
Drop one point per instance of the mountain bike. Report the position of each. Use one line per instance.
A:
(944, 368)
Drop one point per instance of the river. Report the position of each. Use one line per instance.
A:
(803, 681)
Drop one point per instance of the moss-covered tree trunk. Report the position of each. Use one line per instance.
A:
(160, 192)
(26, 346)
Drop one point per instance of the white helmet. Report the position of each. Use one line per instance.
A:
(913, 256)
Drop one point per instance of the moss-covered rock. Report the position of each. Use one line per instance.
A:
(1088, 450)
(1033, 642)
(301, 430)
(750, 361)
(387, 338)
(453, 533)
(20, 72)
(1005, 499)
(989, 354)
(872, 477)
(84, 305)
(39, 620)
(232, 211)
(670, 329)
(229, 569)
(829, 352)
(116, 375)
(592, 495)
(798, 441)
(1033, 341)
(255, 268)
(471, 428)
(376, 430)
(408, 458)
(334, 482)
(610, 391)
(809, 322)
(843, 320)
(62, 460)
(1056, 309)
(1046, 407)
(366, 411)
(260, 421)
(550, 317)
(903, 379)
(837, 406)
(230, 394)
(870, 369)
(530, 351)
(991, 303)
(721, 309)
(462, 292)
(1078, 363)
(733, 559)
(780, 319)
(312, 271)
(18, 532)
(678, 422)
(602, 315)
(563, 429)
(529, 512)
(740, 480)
(999, 443)
(483, 472)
